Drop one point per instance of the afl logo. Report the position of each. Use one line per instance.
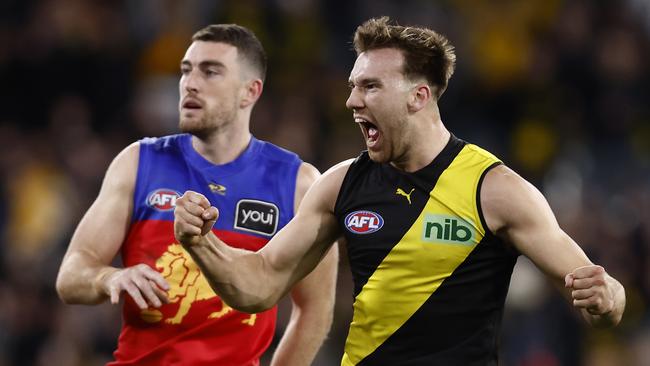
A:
(363, 222)
(163, 199)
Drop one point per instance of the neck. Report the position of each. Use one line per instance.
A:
(224, 145)
(425, 143)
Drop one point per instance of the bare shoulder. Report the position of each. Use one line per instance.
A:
(499, 180)
(333, 177)
(121, 174)
(325, 188)
(506, 196)
(308, 172)
(130, 154)
(307, 175)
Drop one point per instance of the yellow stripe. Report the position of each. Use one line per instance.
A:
(418, 265)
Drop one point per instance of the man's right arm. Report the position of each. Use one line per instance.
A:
(85, 276)
(255, 281)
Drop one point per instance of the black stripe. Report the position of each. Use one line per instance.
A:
(459, 323)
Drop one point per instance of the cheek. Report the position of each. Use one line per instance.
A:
(222, 94)
(396, 129)
(214, 97)
(389, 105)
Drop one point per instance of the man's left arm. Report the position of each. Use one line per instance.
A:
(312, 298)
(517, 212)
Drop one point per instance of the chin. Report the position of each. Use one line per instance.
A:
(193, 127)
(377, 157)
(185, 123)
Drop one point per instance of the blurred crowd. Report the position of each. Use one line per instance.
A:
(559, 89)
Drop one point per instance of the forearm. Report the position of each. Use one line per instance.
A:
(80, 280)
(303, 337)
(613, 317)
(240, 277)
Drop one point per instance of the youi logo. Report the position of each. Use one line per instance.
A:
(363, 222)
(163, 199)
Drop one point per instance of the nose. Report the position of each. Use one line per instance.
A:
(189, 82)
(354, 100)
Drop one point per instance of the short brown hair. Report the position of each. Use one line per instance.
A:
(248, 46)
(426, 53)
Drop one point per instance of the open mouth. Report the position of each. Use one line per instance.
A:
(370, 131)
(191, 104)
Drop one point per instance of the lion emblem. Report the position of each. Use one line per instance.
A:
(187, 284)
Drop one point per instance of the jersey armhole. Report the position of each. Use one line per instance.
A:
(478, 198)
(295, 169)
(141, 176)
(344, 183)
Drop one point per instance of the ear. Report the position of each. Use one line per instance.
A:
(251, 92)
(420, 96)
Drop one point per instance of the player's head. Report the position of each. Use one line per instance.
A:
(399, 74)
(427, 54)
(249, 49)
(222, 75)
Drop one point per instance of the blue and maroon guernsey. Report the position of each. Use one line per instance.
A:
(255, 198)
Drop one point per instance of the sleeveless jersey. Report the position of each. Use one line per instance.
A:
(430, 280)
(255, 198)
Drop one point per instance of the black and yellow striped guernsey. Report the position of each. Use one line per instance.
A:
(430, 279)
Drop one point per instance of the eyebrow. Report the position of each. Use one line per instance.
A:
(365, 81)
(204, 64)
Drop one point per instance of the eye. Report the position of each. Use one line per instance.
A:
(185, 70)
(211, 72)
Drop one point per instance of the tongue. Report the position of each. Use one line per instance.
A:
(373, 134)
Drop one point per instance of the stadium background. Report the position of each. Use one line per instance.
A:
(558, 89)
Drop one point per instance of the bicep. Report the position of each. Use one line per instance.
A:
(302, 243)
(518, 213)
(102, 230)
(305, 240)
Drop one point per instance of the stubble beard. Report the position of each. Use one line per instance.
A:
(208, 124)
(392, 147)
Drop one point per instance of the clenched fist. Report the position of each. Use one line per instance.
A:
(591, 289)
(193, 218)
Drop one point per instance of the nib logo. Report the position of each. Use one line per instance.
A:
(448, 229)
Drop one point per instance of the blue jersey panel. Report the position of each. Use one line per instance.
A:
(254, 193)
